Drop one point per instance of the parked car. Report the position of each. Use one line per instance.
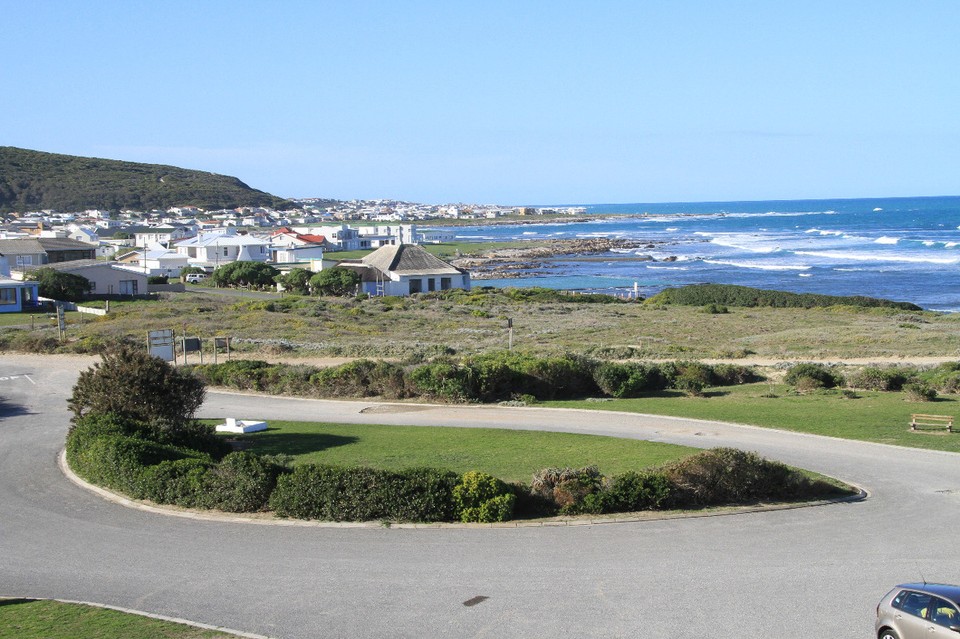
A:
(915, 610)
(195, 278)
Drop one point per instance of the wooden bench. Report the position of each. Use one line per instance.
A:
(931, 420)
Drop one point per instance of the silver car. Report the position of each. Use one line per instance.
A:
(912, 611)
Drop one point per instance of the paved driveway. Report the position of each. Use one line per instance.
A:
(814, 572)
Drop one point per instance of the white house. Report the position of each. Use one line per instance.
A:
(405, 269)
(210, 250)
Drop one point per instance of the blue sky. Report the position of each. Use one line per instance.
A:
(507, 102)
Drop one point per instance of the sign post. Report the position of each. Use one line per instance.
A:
(161, 344)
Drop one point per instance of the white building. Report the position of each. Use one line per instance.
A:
(210, 250)
(405, 269)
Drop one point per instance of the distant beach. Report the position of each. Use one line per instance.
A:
(906, 249)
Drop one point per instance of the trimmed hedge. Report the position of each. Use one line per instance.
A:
(315, 491)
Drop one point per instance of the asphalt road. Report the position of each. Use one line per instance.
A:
(816, 572)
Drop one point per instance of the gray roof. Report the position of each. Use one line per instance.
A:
(35, 245)
(80, 265)
(408, 259)
(23, 246)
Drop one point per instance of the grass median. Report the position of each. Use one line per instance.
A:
(508, 454)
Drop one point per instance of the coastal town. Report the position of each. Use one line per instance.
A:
(124, 253)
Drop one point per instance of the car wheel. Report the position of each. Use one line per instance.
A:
(887, 633)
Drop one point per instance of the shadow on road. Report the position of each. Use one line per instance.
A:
(11, 409)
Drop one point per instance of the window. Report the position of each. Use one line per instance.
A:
(24, 260)
(446, 283)
(943, 613)
(431, 284)
(913, 603)
(8, 296)
(416, 286)
(226, 251)
(128, 287)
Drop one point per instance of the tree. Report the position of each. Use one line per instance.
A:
(255, 274)
(335, 281)
(131, 383)
(297, 281)
(60, 286)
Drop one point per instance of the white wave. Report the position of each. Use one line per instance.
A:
(928, 243)
(877, 209)
(887, 240)
(667, 268)
(671, 229)
(761, 266)
(951, 244)
(859, 256)
(804, 274)
(751, 243)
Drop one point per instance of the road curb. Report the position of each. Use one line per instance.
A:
(141, 613)
(239, 518)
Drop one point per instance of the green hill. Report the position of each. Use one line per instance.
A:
(34, 180)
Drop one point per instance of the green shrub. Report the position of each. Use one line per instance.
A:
(919, 392)
(878, 379)
(334, 493)
(733, 375)
(810, 376)
(945, 378)
(628, 380)
(568, 488)
(714, 309)
(692, 378)
(240, 483)
(361, 378)
(729, 476)
(633, 491)
(731, 295)
(444, 380)
(482, 498)
(130, 382)
(179, 481)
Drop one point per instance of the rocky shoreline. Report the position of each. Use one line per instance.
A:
(525, 262)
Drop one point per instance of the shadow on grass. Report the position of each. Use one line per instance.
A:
(269, 443)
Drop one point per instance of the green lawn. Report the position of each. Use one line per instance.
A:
(509, 455)
(872, 416)
(28, 619)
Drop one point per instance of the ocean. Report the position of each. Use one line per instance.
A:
(904, 249)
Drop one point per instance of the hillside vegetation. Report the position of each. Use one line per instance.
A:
(34, 180)
(742, 296)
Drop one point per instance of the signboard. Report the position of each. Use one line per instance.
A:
(191, 344)
(161, 344)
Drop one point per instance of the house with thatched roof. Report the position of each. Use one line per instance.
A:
(405, 269)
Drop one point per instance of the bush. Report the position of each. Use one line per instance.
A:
(444, 380)
(692, 378)
(361, 378)
(733, 375)
(483, 498)
(919, 392)
(568, 488)
(131, 383)
(179, 481)
(811, 376)
(731, 295)
(334, 493)
(633, 491)
(240, 483)
(878, 379)
(729, 476)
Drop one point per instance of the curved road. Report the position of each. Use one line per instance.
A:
(812, 571)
